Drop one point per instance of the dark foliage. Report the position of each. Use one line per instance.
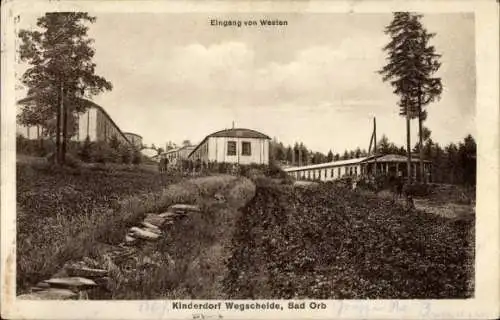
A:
(328, 243)
(51, 197)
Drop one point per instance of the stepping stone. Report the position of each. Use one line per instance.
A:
(36, 289)
(71, 282)
(76, 271)
(129, 239)
(50, 294)
(42, 285)
(156, 231)
(151, 226)
(185, 207)
(143, 234)
(168, 215)
(154, 219)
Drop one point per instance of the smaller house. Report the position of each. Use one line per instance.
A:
(177, 155)
(237, 145)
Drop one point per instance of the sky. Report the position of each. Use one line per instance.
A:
(177, 77)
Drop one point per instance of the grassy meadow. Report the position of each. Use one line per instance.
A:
(62, 213)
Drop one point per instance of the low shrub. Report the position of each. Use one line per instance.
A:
(39, 148)
(417, 189)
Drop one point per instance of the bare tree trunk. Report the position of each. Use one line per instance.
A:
(421, 148)
(420, 138)
(408, 144)
(375, 145)
(58, 127)
(39, 138)
(64, 133)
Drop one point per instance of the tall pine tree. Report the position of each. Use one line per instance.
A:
(411, 64)
(62, 75)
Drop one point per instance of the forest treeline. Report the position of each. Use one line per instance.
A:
(453, 163)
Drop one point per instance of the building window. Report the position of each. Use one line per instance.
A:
(355, 171)
(246, 149)
(331, 173)
(338, 172)
(231, 148)
(325, 173)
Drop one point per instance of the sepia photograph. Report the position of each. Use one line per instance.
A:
(245, 160)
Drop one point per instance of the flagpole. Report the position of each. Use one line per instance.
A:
(375, 144)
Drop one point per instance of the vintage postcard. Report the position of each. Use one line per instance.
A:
(250, 160)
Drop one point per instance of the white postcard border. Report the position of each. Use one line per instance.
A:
(487, 284)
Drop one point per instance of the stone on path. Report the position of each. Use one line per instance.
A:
(151, 227)
(129, 239)
(185, 207)
(40, 287)
(43, 285)
(71, 282)
(168, 215)
(155, 231)
(143, 234)
(155, 219)
(78, 271)
(50, 294)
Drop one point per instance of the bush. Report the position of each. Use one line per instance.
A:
(38, 148)
(72, 161)
(126, 154)
(103, 153)
(85, 152)
(417, 189)
(136, 157)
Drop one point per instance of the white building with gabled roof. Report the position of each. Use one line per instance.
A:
(237, 145)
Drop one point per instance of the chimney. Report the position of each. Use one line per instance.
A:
(233, 124)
